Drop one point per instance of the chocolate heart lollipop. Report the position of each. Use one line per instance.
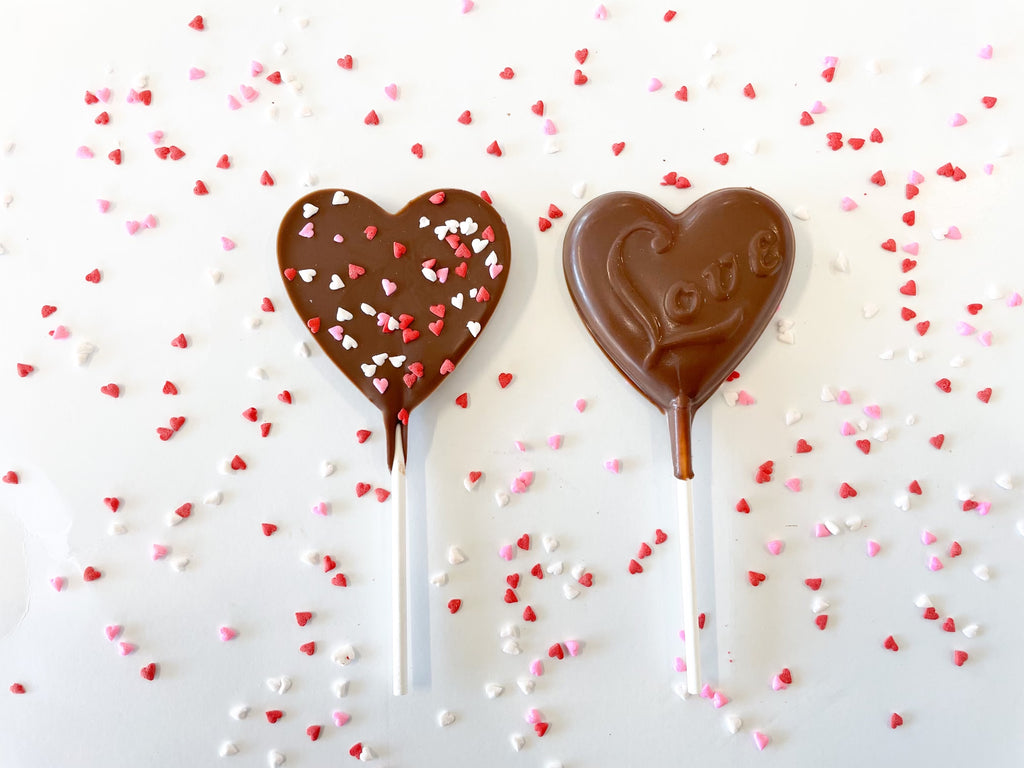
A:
(676, 301)
(395, 300)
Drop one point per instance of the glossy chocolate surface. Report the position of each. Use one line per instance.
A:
(394, 300)
(677, 300)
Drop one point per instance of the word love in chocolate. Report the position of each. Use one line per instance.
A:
(394, 300)
(677, 300)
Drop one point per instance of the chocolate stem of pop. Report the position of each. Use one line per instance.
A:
(399, 570)
(688, 569)
(680, 423)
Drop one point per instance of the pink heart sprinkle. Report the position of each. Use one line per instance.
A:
(133, 96)
(679, 665)
(581, 405)
(927, 537)
(934, 564)
(526, 477)
(336, 331)
(150, 221)
(793, 484)
(112, 631)
(706, 692)
(83, 152)
(519, 446)
(132, 227)
(518, 486)
(956, 120)
(760, 740)
(830, 61)
(601, 13)
(320, 508)
(255, 68)
(156, 136)
(777, 684)
(745, 398)
(873, 411)
(953, 233)
(910, 248)
(821, 531)
(339, 239)
(103, 94)
(381, 385)
(507, 552)
(1013, 300)
(915, 177)
(442, 275)
(654, 84)
(985, 338)
(719, 700)
(984, 507)
(227, 633)
(388, 286)
(873, 547)
(158, 551)
(573, 647)
(536, 668)
(847, 429)
(555, 442)
(985, 52)
(57, 583)
(195, 73)
(533, 716)
(340, 718)
(391, 91)
(126, 648)
(549, 128)
(227, 243)
(495, 270)
(307, 230)
(774, 546)
(103, 205)
(249, 93)
(964, 329)
(987, 169)
(233, 103)
(60, 332)
(612, 465)
(843, 398)
(817, 108)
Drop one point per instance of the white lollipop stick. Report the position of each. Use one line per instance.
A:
(689, 573)
(399, 561)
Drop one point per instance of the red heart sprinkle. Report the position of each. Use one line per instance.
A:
(201, 189)
(354, 270)
(115, 156)
(786, 676)
(164, 433)
(17, 688)
(876, 136)
(528, 614)
(148, 672)
(865, 446)
(543, 224)
(285, 397)
(895, 721)
(578, 78)
(91, 574)
(339, 580)
(265, 429)
(974, 309)
(290, 273)
(755, 578)
(90, 98)
(371, 118)
(506, 73)
(313, 324)
(959, 657)
(303, 617)
(102, 118)
(512, 580)
(112, 502)
(176, 153)
(821, 620)
(494, 149)
(806, 119)
(197, 24)
(891, 644)
(959, 174)
(889, 245)
(914, 487)
(454, 605)
(988, 101)
(313, 732)
(748, 91)
(722, 158)
(329, 564)
(179, 341)
(855, 144)
(538, 108)
(944, 384)
(504, 379)
(907, 314)
(184, 510)
(635, 567)
(523, 542)
(266, 179)
(111, 389)
(937, 440)
(682, 94)
(669, 15)
(701, 618)
(846, 490)
(555, 651)
(907, 264)
(177, 422)
(659, 536)
(24, 369)
(835, 140)
(984, 394)
(537, 572)
(274, 78)
(540, 729)
(945, 170)
(931, 614)
(617, 147)
(269, 529)
(510, 596)
(743, 506)
(47, 310)
(587, 579)
(949, 625)
(381, 494)
(922, 327)
(356, 749)
(466, 117)
(802, 446)
(224, 162)
(909, 218)
(345, 62)
(273, 715)
(814, 584)
(362, 435)
(162, 152)
(909, 288)
(644, 551)
(308, 648)
(911, 191)
(250, 414)
(878, 178)
(581, 55)
(417, 149)
(828, 74)
(554, 211)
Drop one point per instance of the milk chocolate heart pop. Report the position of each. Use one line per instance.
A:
(395, 301)
(676, 301)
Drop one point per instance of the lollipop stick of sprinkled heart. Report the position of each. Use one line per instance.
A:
(688, 567)
(399, 574)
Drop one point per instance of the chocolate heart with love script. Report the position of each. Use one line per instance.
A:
(395, 300)
(677, 300)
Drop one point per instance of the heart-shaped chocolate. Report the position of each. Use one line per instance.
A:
(395, 300)
(676, 301)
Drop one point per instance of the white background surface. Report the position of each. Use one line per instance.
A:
(904, 71)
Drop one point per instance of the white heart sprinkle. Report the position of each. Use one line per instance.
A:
(430, 274)
(326, 469)
(819, 604)
(509, 630)
(570, 592)
(468, 227)
(555, 568)
(240, 712)
(786, 337)
(84, 352)
(911, 419)
(116, 529)
(366, 309)
(344, 655)
(1004, 481)
(380, 358)
(800, 212)
(445, 718)
(526, 685)
(439, 579)
(472, 293)
(493, 690)
(853, 523)
(340, 688)
(397, 360)
(213, 498)
(792, 417)
(227, 749)
(578, 570)
(915, 355)
(336, 283)
(393, 324)
(730, 396)
(869, 311)
(882, 434)
(885, 354)
(511, 648)
(751, 146)
(971, 630)
(982, 572)
(840, 264)
(479, 245)
(441, 231)
(424, 222)
(456, 555)
(827, 395)
(275, 759)
(491, 259)
(902, 502)
(923, 601)
(452, 224)
(340, 198)
(302, 349)
(551, 146)
(343, 315)
(474, 328)
(579, 189)
(956, 362)
(367, 755)
(349, 342)
(550, 543)
(308, 209)
(368, 370)
(517, 741)
(457, 301)
(310, 557)
(733, 723)
(501, 498)
(307, 275)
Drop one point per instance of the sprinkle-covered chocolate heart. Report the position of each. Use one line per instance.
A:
(676, 301)
(395, 300)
